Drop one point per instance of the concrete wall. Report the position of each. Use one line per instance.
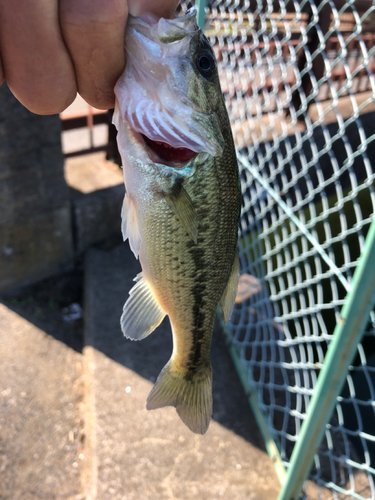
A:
(35, 212)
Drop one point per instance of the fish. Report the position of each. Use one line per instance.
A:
(182, 202)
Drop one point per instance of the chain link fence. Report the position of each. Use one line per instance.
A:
(298, 79)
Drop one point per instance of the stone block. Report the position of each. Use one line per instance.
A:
(35, 211)
(97, 216)
(35, 248)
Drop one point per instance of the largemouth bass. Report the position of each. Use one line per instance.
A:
(182, 202)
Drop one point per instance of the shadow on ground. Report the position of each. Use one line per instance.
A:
(43, 304)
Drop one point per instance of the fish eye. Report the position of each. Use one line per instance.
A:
(205, 62)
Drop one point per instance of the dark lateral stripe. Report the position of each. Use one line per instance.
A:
(199, 314)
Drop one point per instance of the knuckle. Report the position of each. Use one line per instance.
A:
(92, 13)
(43, 102)
(99, 99)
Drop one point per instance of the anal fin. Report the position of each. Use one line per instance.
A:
(226, 303)
(141, 313)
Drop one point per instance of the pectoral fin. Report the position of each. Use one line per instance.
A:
(180, 202)
(129, 226)
(226, 303)
(141, 313)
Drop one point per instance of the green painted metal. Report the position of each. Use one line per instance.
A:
(348, 332)
(201, 15)
(270, 444)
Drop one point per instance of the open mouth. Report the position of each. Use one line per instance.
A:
(168, 153)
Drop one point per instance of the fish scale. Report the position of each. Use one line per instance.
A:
(181, 217)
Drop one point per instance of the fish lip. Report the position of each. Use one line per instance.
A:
(186, 24)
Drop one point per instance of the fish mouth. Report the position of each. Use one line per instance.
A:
(162, 152)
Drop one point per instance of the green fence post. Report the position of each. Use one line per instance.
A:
(201, 14)
(348, 332)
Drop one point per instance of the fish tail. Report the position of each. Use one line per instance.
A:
(190, 391)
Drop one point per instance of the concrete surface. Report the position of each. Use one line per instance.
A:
(35, 218)
(97, 193)
(41, 391)
(132, 453)
(89, 173)
(75, 427)
(97, 216)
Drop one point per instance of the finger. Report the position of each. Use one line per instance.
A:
(2, 78)
(165, 8)
(36, 64)
(94, 31)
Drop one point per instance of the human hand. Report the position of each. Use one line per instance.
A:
(52, 49)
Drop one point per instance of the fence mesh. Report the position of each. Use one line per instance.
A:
(298, 79)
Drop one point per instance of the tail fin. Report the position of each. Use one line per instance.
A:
(190, 392)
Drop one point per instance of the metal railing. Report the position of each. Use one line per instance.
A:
(88, 118)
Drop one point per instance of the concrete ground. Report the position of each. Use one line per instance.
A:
(74, 425)
(41, 448)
